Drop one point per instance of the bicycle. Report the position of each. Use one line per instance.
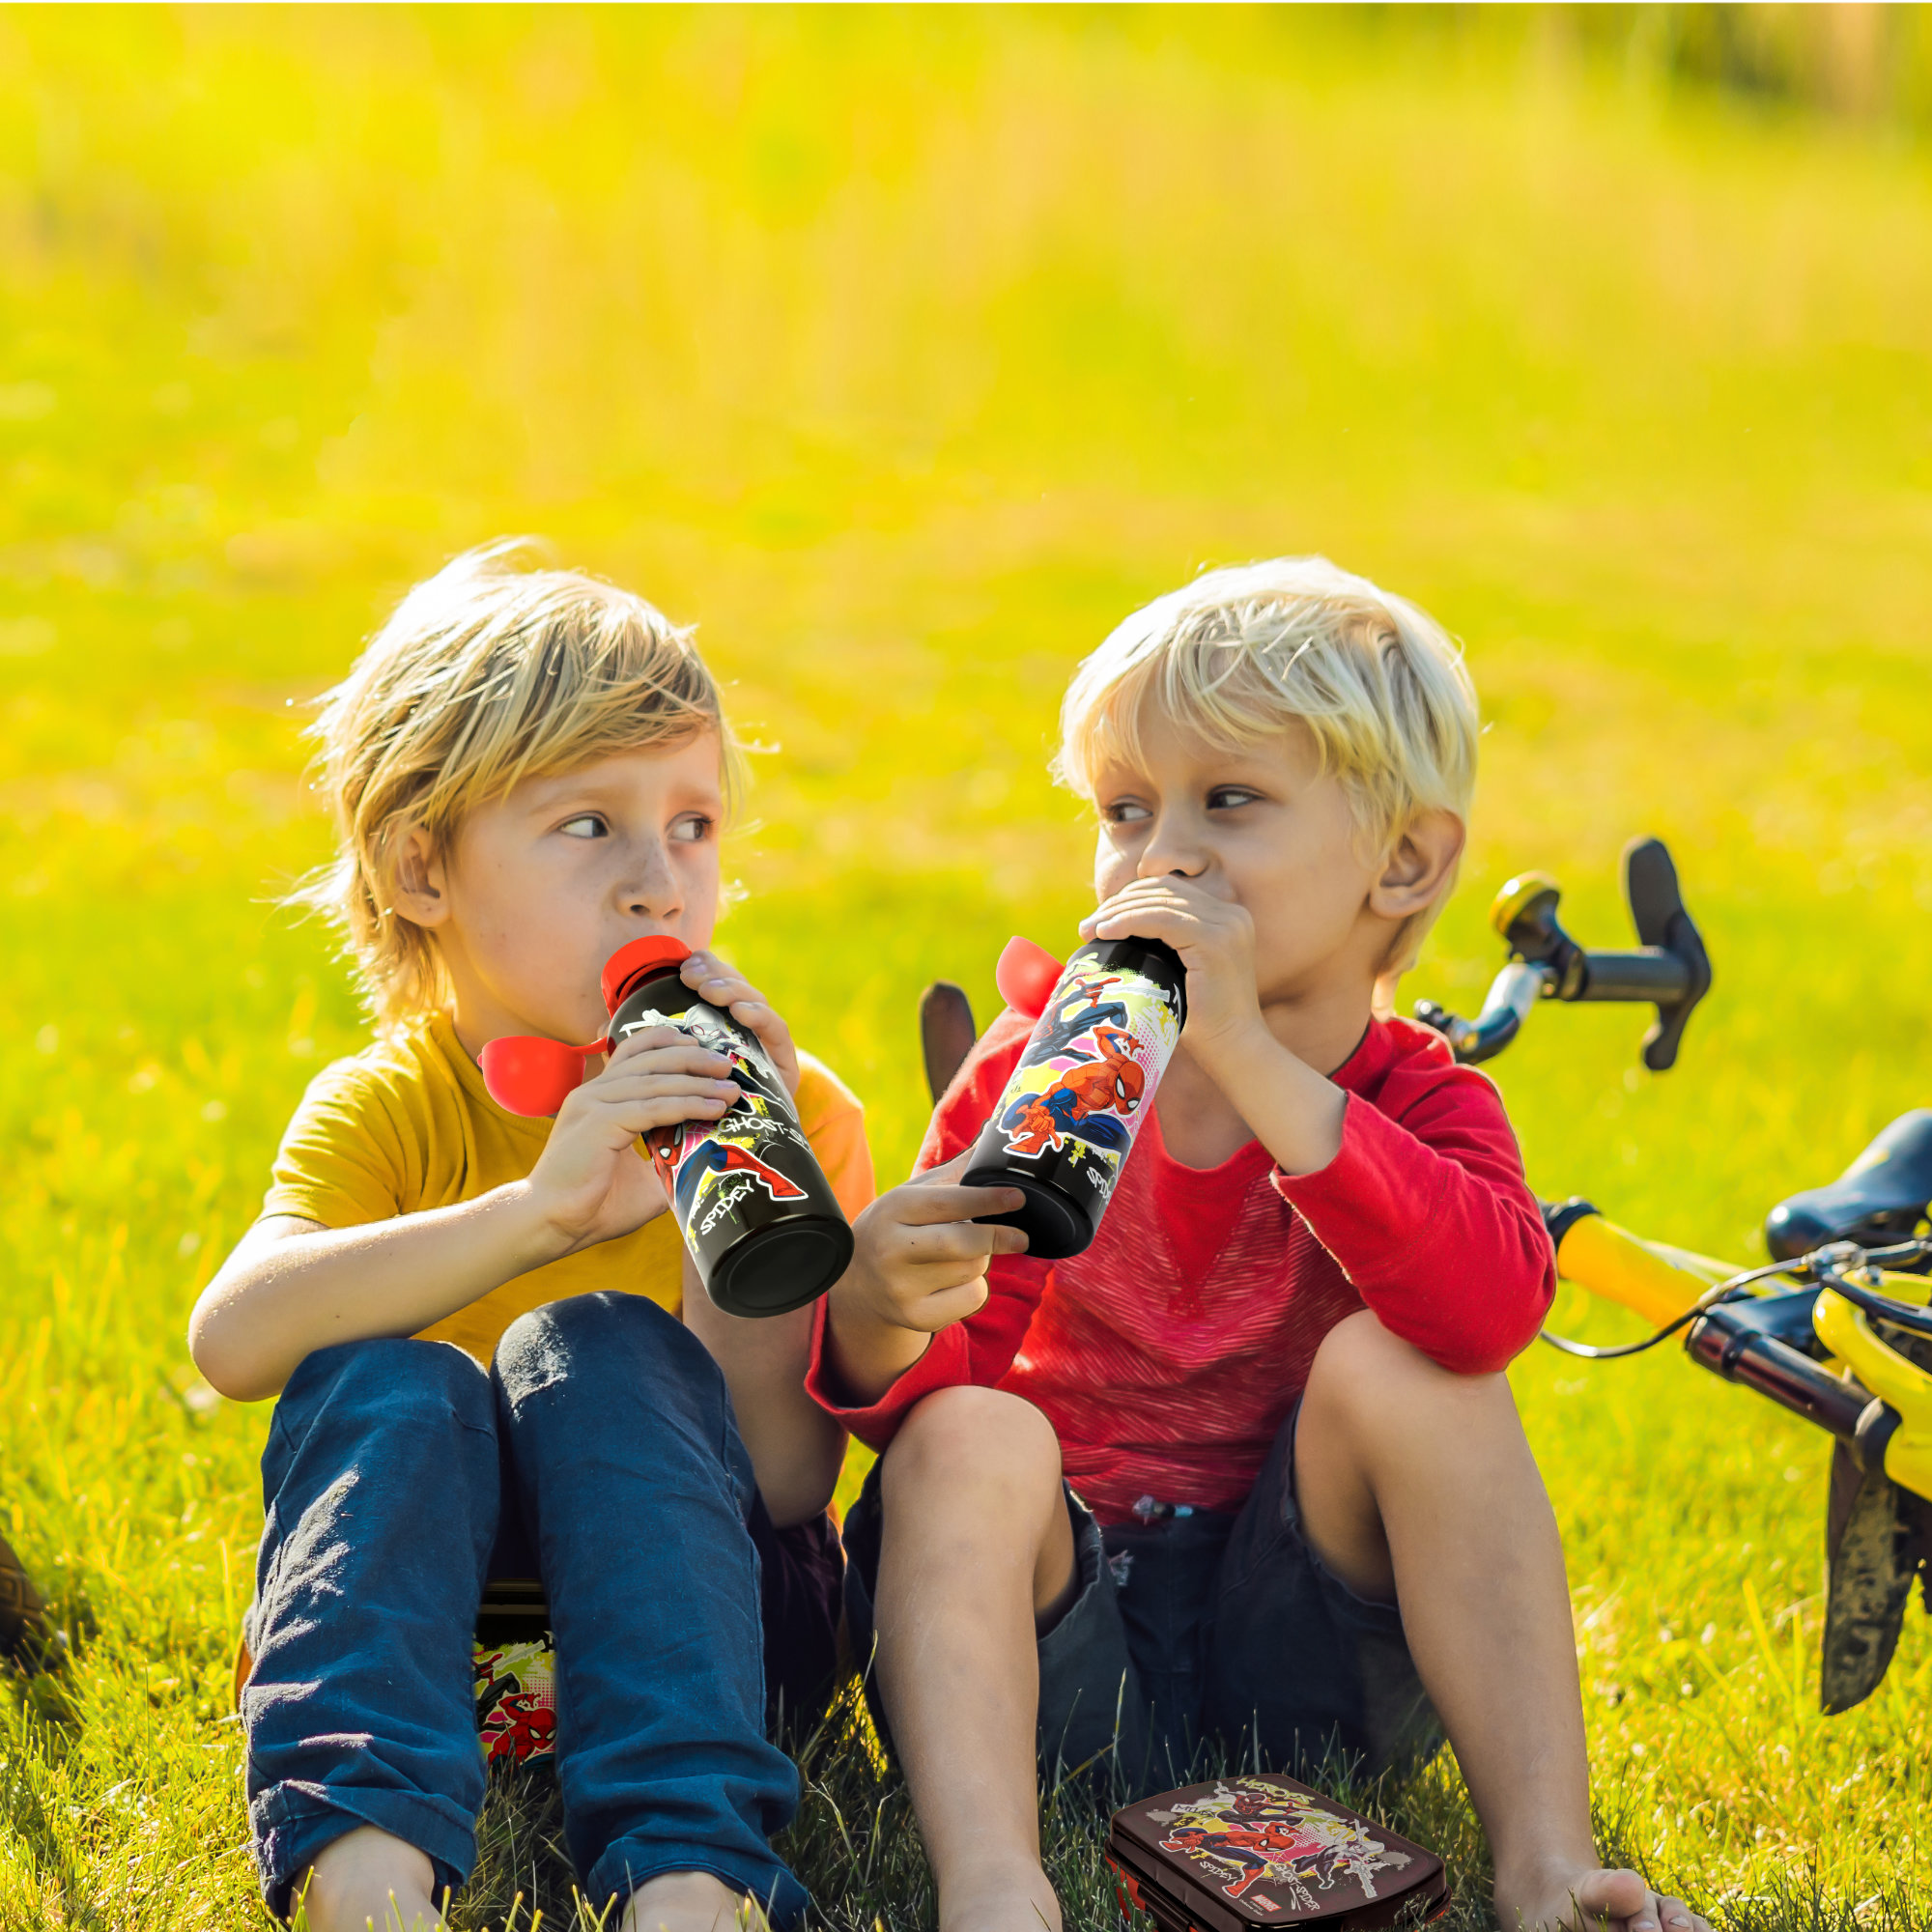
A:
(1834, 1327)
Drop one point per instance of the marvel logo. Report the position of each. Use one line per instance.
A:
(1261, 1899)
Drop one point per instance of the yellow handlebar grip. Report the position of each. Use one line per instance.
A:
(1658, 1283)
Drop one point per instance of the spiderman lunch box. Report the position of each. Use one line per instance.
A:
(1263, 1849)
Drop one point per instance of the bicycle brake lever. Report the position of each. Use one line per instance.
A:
(1670, 969)
(1656, 910)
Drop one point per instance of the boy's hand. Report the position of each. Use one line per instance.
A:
(1215, 939)
(722, 985)
(592, 1183)
(920, 1259)
(1294, 1111)
(919, 1264)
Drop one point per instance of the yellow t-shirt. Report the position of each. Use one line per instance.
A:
(408, 1125)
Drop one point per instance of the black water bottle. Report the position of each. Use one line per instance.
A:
(1062, 1128)
(763, 1226)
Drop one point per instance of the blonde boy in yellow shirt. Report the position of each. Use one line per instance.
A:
(471, 1320)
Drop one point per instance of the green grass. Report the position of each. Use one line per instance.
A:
(907, 351)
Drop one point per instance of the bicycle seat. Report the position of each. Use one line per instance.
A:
(1881, 1198)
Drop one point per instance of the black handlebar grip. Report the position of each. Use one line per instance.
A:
(946, 1033)
(1745, 1355)
(1661, 976)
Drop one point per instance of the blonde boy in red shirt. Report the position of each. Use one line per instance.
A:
(1247, 1470)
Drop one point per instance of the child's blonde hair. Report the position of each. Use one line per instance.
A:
(1240, 654)
(486, 674)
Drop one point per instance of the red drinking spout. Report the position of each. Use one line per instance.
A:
(528, 1074)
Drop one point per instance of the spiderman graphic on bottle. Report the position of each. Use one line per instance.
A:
(765, 1231)
(1090, 1102)
(759, 1217)
(698, 1152)
(1064, 1126)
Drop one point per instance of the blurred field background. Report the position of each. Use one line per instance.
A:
(906, 351)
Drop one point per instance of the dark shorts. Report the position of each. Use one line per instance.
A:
(800, 1570)
(1201, 1632)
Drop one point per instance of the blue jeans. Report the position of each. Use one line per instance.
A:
(599, 1452)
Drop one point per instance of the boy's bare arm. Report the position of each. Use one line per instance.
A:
(796, 1449)
(1294, 1111)
(919, 1266)
(292, 1287)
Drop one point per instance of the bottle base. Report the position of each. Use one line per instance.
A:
(780, 1268)
(1053, 1226)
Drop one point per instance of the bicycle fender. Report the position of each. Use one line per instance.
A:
(1874, 1546)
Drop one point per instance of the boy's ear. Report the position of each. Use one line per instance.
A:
(1419, 866)
(417, 879)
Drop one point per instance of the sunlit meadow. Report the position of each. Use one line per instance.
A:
(905, 352)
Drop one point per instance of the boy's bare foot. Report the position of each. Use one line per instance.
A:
(365, 1879)
(1019, 1901)
(691, 1902)
(1590, 1899)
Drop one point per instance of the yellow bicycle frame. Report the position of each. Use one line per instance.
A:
(1846, 1331)
(1660, 1283)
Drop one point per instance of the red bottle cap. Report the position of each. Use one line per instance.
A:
(635, 961)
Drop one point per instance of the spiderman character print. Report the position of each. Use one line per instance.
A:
(1082, 1087)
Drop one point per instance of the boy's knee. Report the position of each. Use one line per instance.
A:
(399, 1408)
(388, 1378)
(605, 1338)
(960, 1440)
(1364, 1377)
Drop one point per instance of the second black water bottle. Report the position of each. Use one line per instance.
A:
(1083, 1085)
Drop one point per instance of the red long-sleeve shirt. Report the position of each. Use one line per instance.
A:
(1168, 1354)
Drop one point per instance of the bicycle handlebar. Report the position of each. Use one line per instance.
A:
(1651, 975)
(1759, 1341)
(1512, 992)
(1728, 1343)
(1670, 970)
